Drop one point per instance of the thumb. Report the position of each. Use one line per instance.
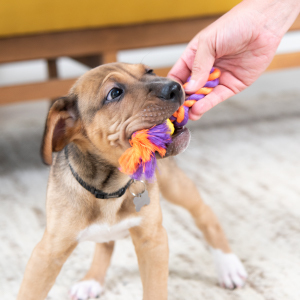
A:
(203, 62)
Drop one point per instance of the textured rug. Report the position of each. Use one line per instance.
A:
(244, 157)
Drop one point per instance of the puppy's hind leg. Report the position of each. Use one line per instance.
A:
(91, 286)
(177, 188)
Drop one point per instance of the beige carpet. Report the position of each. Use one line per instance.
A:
(244, 156)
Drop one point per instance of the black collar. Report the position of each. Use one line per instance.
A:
(97, 193)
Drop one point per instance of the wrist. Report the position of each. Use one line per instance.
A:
(277, 16)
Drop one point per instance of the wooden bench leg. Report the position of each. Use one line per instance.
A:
(52, 72)
(109, 57)
(94, 61)
(52, 68)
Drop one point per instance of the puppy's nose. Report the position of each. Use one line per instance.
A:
(171, 91)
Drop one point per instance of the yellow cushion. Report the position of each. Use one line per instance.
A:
(36, 16)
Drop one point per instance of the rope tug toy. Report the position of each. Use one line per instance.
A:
(140, 159)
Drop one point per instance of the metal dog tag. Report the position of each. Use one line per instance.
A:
(141, 200)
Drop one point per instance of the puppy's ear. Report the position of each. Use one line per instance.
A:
(61, 126)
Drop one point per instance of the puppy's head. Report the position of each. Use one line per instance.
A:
(107, 105)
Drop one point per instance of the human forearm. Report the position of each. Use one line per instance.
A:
(241, 43)
(277, 16)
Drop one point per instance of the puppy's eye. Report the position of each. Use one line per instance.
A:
(114, 94)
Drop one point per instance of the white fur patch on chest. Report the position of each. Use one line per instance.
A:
(103, 233)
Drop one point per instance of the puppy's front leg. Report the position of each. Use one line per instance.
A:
(151, 245)
(153, 255)
(44, 265)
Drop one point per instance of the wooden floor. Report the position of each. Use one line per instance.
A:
(244, 157)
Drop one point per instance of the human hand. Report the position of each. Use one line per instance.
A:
(241, 44)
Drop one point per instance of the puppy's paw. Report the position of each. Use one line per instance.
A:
(86, 289)
(230, 270)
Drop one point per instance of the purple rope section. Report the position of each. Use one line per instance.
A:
(197, 97)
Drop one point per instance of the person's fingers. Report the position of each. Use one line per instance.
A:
(180, 71)
(219, 94)
(203, 62)
(183, 67)
(194, 117)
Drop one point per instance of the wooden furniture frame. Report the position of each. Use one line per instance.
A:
(97, 46)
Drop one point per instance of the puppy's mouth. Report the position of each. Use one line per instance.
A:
(180, 141)
(180, 138)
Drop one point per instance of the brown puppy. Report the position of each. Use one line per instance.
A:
(89, 129)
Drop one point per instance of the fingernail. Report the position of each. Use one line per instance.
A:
(191, 86)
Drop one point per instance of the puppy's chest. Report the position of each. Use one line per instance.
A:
(103, 233)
